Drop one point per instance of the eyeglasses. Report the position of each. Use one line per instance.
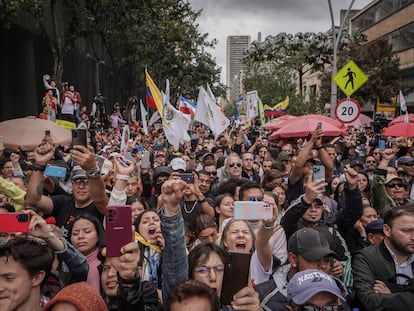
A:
(205, 270)
(80, 181)
(252, 199)
(238, 164)
(393, 185)
(371, 161)
(325, 308)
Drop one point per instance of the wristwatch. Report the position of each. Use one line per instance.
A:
(94, 174)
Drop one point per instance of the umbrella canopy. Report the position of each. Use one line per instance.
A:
(27, 133)
(361, 121)
(303, 126)
(400, 129)
(275, 124)
(401, 119)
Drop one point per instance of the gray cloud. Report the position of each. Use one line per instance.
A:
(222, 18)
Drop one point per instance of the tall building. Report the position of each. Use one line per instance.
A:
(236, 46)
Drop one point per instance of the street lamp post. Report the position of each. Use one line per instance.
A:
(335, 42)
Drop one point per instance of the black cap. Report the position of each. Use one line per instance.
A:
(375, 226)
(310, 244)
(162, 170)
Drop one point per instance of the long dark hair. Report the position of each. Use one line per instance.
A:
(98, 227)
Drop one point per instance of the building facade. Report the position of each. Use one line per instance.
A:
(394, 20)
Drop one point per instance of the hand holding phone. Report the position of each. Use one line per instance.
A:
(187, 177)
(236, 275)
(79, 137)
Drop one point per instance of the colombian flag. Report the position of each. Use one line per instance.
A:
(153, 95)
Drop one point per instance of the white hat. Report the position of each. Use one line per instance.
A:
(178, 164)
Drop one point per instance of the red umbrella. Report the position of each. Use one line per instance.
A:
(275, 124)
(27, 133)
(400, 129)
(361, 121)
(304, 126)
(401, 119)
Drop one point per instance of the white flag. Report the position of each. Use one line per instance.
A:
(174, 122)
(252, 110)
(209, 114)
(403, 104)
(144, 114)
(124, 137)
(154, 118)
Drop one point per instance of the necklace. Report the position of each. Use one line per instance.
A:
(192, 208)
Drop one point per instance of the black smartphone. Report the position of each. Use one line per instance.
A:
(236, 275)
(187, 177)
(47, 133)
(79, 137)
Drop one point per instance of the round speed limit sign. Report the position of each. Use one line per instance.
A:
(347, 110)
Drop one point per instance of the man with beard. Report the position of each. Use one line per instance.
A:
(381, 271)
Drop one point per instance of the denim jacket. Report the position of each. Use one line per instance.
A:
(175, 263)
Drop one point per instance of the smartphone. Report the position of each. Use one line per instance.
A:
(79, 137)
(128, 156)
(187, 177)
(236, 275)
(157, 147)
(14, 222)
(55, 171)
(318, 172)
(99, 161)
(145, 160)
(47, 133)
(1, 143)
(118, 221)
(381, 144)
(319, 126)
(252, 210)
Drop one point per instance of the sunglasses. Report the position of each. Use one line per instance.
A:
(252, 199)
(393, 185)
(371, 161)
(213, 173)
(235, 164)
(409, 164)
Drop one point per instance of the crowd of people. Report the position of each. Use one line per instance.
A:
(342, 241)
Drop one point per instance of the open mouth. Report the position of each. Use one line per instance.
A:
(240, 246)
(152, 231)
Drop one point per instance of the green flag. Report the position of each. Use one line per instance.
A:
(261, 112)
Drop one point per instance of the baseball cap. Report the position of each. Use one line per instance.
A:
(78, 173)
(178, 164)
(391, 177)
(405, 160)
(161, 170)
(402, 170)
(356, 163)
(284, 155)
(307, 283)
(310, 244)
(375, 226)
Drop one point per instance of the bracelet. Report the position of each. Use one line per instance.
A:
(38, 167)
(202, 201)
(319, 148)
(122, 177)
(270, 227)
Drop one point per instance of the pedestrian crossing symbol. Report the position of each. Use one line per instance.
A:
(350, 78)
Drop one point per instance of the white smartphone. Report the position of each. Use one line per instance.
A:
(252, 210)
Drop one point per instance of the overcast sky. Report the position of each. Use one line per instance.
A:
(223, 18)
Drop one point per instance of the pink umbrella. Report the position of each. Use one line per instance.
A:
(304, 126)
(27, 133)
(400, 129)
(401, 119)
(361, 121)
(275, 124)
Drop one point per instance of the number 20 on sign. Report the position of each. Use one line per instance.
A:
(347, 110)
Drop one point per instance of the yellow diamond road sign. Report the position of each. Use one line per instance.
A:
(350, 78)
